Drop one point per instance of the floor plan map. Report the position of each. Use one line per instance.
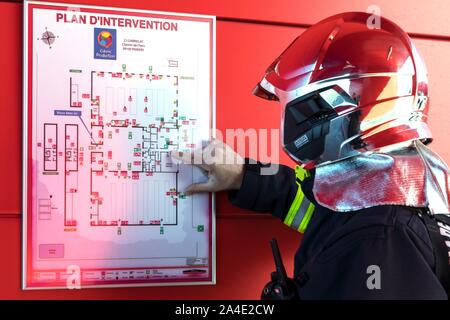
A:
(109, 94)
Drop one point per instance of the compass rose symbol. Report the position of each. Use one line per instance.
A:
(48, 38)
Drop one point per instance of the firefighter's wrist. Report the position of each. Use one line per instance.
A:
(248, 185)
(237, 181)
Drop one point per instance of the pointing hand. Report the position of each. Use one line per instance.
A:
(223, 166)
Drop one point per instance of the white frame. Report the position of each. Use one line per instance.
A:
(25, 148)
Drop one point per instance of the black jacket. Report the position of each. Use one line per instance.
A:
(338, 248)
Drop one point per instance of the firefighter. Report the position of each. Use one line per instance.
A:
(355, 106)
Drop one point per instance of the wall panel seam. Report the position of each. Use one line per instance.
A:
(414, 35)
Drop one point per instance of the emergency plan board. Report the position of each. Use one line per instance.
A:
(108, 94)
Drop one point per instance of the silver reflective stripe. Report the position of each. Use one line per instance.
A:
(300, 213)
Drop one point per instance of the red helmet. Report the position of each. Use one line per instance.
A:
(348, 88)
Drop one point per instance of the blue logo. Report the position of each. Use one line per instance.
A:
(105, 43)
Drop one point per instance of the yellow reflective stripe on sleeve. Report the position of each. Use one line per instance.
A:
(294, 207)
(306, 218)
(301, 208)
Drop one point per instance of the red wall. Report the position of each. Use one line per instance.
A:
(249, 37)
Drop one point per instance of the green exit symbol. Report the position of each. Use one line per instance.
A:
(200, 228)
